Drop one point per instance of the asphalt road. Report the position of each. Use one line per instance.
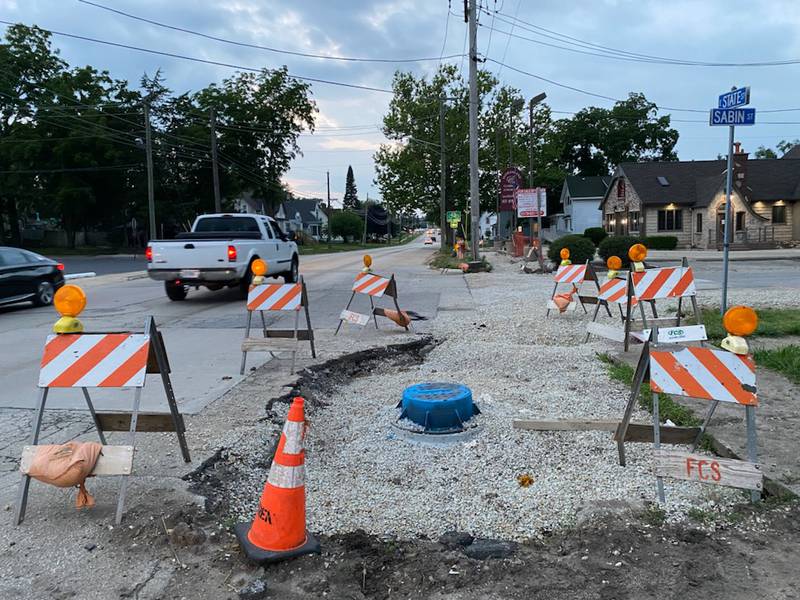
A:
(746, 274)
(203, 333)
(102, 265)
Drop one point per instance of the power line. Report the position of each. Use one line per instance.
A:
(72, 170)
(267, 48)
(508, 40)
(202, 60)
(537, 29)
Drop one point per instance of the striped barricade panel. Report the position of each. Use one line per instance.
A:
(275, 296)
(668, 282)
(615, 291)
(372, 285)
(94, 360)
(570, 274)
(704, 373)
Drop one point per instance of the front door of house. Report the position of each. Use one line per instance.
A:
(619, 225)
(721, 229)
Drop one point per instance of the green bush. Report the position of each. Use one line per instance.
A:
(661, 242)
(581, 249)
(617, 245)
(596, 234)
(346, 224)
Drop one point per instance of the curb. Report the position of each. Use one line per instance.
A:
(80, 275)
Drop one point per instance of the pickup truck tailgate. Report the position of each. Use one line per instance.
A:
(190, 254)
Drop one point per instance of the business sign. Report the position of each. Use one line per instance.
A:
(732, 116)
(532, 202)
(734, 98)
(510, 182)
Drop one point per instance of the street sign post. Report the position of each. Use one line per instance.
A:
(729, 113)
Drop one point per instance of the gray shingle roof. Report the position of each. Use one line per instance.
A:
(587, 187)
(694, 183)
(304, 207)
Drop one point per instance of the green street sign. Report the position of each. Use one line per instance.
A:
(453, 216)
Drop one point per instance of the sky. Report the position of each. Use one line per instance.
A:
(730, 31)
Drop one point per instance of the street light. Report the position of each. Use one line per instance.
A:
(534, 101)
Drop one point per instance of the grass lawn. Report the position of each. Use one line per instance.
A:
(772, 322)
(785, 360)
(323, 248)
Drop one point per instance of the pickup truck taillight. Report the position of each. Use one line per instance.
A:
(149, 254)
(231, 253)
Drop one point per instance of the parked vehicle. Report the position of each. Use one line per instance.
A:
(27, 276)
(218, 252)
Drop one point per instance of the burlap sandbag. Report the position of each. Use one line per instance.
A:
(67, 465)
(562, 301)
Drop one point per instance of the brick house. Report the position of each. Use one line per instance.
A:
(687, 200)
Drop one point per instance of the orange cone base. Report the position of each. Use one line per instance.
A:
(259, 555)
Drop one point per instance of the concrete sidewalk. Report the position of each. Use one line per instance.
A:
(777, 423)
(716, 255)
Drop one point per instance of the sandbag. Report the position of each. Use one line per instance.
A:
(67, 465)
(562, 301)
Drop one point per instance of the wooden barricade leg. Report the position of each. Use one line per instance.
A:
(374, 316)
(339, 326)
(263, 323)
(163, 367)
(246, 335)
(680, 307)
(97, 424)
(653, 308)
(308, 317)
(638, 379)
(752, 444)
(627, 319)
(25, 480)
(657, 446)
(553, 295)
(123, 489)
(594, 318)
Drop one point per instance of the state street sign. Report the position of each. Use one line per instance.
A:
(530, 201)
(732, 116)
(734, 98)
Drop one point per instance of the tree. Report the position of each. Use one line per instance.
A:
(350, 200)
(346, 224)
(764, 152)
(782, 147)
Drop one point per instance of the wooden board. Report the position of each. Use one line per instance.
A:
(709, 469)
(589, 299)
(669, 435)
(567, 425)
(610, 332)
(354, 317)
(113, 460)
(148, 422)
(269, 344)
(302, 334)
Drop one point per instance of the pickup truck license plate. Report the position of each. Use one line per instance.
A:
(189, 273)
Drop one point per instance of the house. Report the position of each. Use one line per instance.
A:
(248, 203)
(307, 216)
(488, 225)
(580, 200)
(687, 200)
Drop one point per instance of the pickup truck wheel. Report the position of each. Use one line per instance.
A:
(293, 273)
(174, 291)
(244, 284)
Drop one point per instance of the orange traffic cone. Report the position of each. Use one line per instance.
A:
(279, 530)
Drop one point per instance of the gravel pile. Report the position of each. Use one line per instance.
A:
(363, 473)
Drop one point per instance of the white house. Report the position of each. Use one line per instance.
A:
(580, 199)
(488, 224)
(307, 216)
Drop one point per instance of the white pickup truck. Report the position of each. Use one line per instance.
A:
(218, 252)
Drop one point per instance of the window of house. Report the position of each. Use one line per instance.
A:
(699, 223)
(740, 221)
(633, 221)
(778, 214)
(609, 223)
(621, 188)
(670, 220)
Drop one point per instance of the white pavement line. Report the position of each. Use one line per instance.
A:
(80, 275)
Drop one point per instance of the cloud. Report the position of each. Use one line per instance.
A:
(343, 143)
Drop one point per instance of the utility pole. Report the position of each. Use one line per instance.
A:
(215, 173)
(442, 177)
(534, 101)
(474, 182)
(148, 144)
(328, 173)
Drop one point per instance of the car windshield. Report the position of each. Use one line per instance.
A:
(211, 224)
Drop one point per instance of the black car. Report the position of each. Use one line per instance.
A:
(25, 275)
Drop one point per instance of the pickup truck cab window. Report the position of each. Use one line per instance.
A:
(226, 223)
(267, 228)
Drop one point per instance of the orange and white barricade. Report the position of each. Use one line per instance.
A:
(373, 286)
(105, 360)
(645, 287)
(278, 297)
(702, 373)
